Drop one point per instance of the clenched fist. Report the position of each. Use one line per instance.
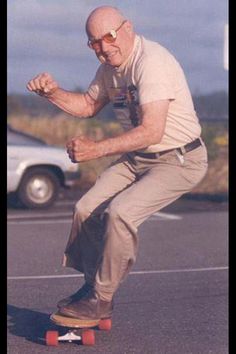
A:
(43, 84)
(82, 148)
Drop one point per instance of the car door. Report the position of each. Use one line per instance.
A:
(12, 165)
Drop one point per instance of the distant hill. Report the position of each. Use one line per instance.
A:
(212, 106)
(30, 104)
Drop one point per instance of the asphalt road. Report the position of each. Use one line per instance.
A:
(173, 302)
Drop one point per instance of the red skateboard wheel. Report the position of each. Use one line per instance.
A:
(105, 324)
(52, 338)
(88, 337)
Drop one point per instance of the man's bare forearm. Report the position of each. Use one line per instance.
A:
(71, 102)
(135, 139)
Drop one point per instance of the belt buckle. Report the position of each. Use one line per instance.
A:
(182, 149)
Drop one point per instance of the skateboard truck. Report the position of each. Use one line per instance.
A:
(87, 337)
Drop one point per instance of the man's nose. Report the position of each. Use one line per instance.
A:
(104, 45)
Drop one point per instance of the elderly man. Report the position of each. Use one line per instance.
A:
(162, 154)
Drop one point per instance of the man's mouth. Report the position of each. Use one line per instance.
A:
(109, 56)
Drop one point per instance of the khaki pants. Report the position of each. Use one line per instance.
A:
(103, 241)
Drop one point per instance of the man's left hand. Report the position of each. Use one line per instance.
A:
(82, 148)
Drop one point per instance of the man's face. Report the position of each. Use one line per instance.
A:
(116, 52)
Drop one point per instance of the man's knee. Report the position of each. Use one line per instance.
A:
(88, 206)
(83, 208)
(120, 214)
(117, 210)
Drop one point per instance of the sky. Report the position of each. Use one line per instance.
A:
(49, 36)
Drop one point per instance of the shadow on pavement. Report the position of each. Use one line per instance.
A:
(13, 202)
(29, 324)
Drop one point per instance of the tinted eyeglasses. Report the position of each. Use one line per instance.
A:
(109, 37)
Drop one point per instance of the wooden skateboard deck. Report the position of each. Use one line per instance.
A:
(64, 321)
(87, 336)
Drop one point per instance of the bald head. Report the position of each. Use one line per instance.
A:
(106, 16)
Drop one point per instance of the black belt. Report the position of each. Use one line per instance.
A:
(186, 148)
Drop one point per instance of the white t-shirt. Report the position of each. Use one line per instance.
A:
(150, 73)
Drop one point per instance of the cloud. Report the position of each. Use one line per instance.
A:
(38, 14)
(47, 29)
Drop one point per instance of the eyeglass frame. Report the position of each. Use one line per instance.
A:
(113, 33)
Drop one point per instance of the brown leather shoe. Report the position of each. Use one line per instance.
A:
(78, 295)
(91, 307)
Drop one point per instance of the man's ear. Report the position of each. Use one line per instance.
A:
(129, 27)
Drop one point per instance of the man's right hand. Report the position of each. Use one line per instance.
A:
(43, 84)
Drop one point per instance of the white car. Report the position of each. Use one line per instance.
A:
(36, 171)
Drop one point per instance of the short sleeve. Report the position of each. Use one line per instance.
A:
(97, 89)
(154, 79)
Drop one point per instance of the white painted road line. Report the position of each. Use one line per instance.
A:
(167, 216)
(40, 222)
(38, 215)
(12, 218)
(140, 272)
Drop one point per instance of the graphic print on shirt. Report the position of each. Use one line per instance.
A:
(127, 98)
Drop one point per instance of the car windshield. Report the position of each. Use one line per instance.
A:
(18, 138)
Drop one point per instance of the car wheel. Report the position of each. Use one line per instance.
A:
(39, 188)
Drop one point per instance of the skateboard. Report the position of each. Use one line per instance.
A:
(73, 325)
